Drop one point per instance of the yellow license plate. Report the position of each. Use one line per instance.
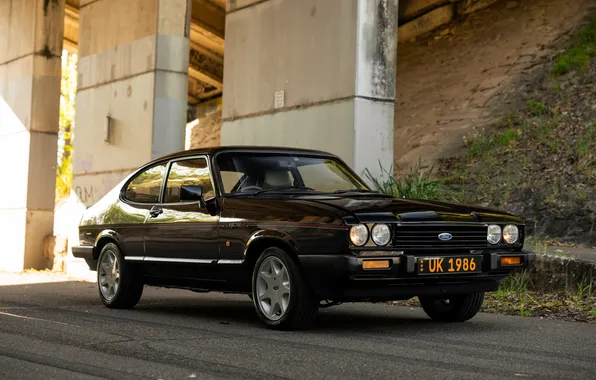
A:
(449, 264)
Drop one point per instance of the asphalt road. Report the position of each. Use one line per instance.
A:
(60, 331)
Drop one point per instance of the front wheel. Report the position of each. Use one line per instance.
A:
(452, 309)
(282, 298)
(119, 286)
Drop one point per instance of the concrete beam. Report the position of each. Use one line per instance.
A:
(31, 37)
(207, 44)
(321, 75)
(71, 28)
(209, 17)
(133, 90)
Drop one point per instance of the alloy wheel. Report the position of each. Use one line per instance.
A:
(109, 275)
(273, 288)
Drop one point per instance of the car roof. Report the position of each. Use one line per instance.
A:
(240, 148)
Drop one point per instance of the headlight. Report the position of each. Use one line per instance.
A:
(510, 233)
(494, 234)
(381, 234)
(359, 235)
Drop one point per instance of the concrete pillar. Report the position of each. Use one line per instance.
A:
(312, 73)
(30, 50)
(132, 89)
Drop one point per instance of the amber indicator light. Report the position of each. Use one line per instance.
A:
(375, 264)
(510, 260)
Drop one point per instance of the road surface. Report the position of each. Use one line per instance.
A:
(60, 331)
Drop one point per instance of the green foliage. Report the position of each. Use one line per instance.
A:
(418, 184)
(517, 282)
(536, 108)
(68, 86)
(587, 143)
(581, 49)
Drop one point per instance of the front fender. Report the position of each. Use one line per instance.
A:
(281, 236)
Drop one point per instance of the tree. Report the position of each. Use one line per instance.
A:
(68, 88)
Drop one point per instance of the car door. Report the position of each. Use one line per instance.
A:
(128, 215)
(179, 232)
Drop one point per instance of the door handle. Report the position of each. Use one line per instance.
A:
(155, 212)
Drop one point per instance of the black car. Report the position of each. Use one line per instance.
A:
(296, 230)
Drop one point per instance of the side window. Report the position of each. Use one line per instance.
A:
(146, 186)
(193, 172)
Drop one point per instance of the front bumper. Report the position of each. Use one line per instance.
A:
(342, 278)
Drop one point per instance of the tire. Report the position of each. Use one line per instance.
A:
(452, 309)
(288, 287)
(123, 292)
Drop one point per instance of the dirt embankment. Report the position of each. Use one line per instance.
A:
(468, 73)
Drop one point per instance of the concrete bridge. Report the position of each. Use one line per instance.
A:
(309, 73)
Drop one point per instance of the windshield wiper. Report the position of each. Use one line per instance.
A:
(282, 189)
(353, 191)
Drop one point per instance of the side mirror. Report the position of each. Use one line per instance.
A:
(191, 193)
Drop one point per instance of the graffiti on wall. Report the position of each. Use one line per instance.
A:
(85, 194)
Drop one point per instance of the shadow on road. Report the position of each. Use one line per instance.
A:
(188, 308)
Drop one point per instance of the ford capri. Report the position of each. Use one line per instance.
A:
(295, 230)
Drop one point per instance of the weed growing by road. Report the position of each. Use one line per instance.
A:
(417, 184)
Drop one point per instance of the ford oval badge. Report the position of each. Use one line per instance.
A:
(445, 236)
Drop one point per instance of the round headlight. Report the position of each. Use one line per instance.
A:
(359, 235)
(381, 234)
(494, 234)
(510, 233)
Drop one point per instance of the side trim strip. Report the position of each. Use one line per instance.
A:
(134, 258)
(230, 261)
(177, 260)
(181, 260)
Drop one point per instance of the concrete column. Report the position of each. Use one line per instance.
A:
(30, 50)
(312, 73)
(132, 89)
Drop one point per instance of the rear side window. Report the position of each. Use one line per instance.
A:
(145, 187)
(193, 172)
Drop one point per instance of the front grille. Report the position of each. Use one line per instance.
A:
(422, 236)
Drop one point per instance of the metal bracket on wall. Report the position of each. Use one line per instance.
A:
(108, 130)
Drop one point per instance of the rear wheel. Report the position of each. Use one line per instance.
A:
(452, 309)
(282, 298)
(119, 286)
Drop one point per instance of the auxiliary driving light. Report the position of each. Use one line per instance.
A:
(494, 234)
(359, 235)
(381, 234)
(510, 234)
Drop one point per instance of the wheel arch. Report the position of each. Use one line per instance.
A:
(103, 238)
(264, 239)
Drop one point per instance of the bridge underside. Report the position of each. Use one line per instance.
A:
(311, 73)
(206, 52)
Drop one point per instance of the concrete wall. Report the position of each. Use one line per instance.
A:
(334, 61)
(132, 89)
(30, 50)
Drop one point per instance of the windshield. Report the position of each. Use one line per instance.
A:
(258, 173)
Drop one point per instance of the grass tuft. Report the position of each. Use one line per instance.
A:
(417, 184)
(581, 49)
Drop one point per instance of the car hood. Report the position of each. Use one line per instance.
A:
(370, 208)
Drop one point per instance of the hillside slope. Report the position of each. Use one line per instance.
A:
(539, 161)
(468, 72)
